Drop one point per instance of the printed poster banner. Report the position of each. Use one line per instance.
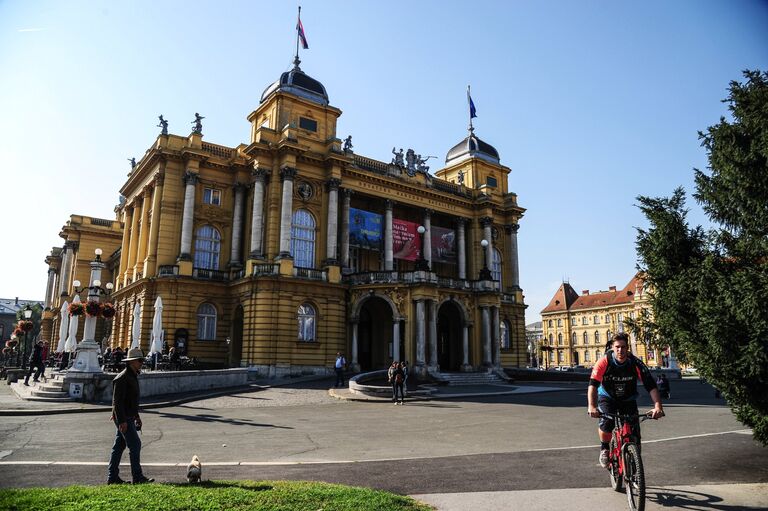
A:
(364, 229)
(406, 243)
(443, 245)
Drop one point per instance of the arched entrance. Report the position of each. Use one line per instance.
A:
(236, 339)
(374, 334)
(449, 337)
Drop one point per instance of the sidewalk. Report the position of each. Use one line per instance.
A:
(745, 497)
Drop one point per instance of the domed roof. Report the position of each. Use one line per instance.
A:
(472, 147)
(300, 84)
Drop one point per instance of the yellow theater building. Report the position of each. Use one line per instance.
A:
(577, 327)
(282, 251)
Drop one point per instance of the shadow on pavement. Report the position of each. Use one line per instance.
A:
(203, 417)
(697, 501)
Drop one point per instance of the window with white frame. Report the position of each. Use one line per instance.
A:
(607, 318)
(559, 339)
(573, 321)
(559, 322)
(586, 356)
(551, 341)
(307, 318)
(303, 239)
(506, 343)
(207, 248)
(550, 323)
(212, 196)
(620, 321)
(597, 337)
(608, 336)
(596, 320)
(573, 338)
(551, 356)
(496, 265)
(206, 322)
(586, 338)
(583, 320)
(560, 356)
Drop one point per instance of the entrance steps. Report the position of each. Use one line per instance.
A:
(50, 390)
(479, 378)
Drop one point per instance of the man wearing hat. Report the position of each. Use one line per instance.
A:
(125, 414)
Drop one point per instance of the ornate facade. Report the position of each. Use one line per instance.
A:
(282, 251)
(576, 328)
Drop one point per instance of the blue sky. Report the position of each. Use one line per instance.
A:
(590, 103)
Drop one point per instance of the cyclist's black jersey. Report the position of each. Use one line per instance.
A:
(619, 381)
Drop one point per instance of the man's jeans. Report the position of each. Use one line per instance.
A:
(339, 377)
(130, 439)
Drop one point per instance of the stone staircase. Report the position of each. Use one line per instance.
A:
(479, 378)
(51, 390)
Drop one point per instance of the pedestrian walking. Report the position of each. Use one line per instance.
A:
(405, 377)
(35, 363)
(339, 365)
(125, 415)
(398, 378)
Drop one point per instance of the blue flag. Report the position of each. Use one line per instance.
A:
(472, 109)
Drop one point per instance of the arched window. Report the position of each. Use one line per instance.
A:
(607, 336)
(307, 318)
(596, 320)
(559, 339)
(597, 337)
(586, 338)
(496, 265)
(607, 318)
(550, 323)
(551, 339)
(207, 248)
(303, 239)
(206, 322)
(573, 338)
(506, 343)
(559, 322)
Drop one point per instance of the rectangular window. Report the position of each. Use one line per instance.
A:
(583, 320)
(491, 181)
(212, 196)
(573, 321)
(307, 124)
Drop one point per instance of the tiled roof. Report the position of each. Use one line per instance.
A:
(593, 300)
(13, 305)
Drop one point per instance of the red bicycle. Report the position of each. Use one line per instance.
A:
(624, 462)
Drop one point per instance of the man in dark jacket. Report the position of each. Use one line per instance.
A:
(35, 362)
(125, 414)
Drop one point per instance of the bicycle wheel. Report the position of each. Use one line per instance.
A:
(634, 478)
(613, 468)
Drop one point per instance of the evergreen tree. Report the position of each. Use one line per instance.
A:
(710, 288)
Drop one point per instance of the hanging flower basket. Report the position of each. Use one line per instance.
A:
(108, 311)
(18, 332)
(93, 308)
(26, 326)
(76, 309)
(11, 343)
(6, 351)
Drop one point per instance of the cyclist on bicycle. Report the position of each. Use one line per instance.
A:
(613, 389)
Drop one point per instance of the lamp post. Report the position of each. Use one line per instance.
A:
(485, 273)
(421, 263)
(87, 360)
(27, 316)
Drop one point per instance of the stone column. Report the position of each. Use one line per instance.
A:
(486, 223)
(433, 334)
(496, 338)
(133, 245)
(512, 258)
(331, 242)
(355, 363)
(237, 227)
(257, 215)
(486, 336)
(396, 339)
(66, 267)
(420, 347)
(188, 218)
(388, 255)
(150, 263)
(462, 247)
(465, 345)
(125, 247)
(286, 211)
(345, 229)
(427, 248)
(141, 249)
(49, 288)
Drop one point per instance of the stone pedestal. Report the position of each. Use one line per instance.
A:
(87, 360)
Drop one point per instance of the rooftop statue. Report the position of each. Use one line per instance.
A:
(398, 159)
(348, 144)
(198, 122)
(163, 124)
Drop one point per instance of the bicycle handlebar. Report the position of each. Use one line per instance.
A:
(643, 417)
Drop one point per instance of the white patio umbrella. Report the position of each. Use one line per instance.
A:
(136, 330)
(71, 345)
(157, 328)
(63, 327)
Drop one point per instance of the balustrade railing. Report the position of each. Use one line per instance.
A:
(309, 273)
(167, 270)
(206, 274)
(266, 269)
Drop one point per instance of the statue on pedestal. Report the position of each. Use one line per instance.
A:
(163, 124)
(198, 124)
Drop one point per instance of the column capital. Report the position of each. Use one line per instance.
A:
(333, 183)
(461, 221)
(146, 192)
(428, 212)
(485, 221)
(71, 244)
(159, 179)
(288, 173)
(239, 187)
(190, 177)
(389, 204)
(512, 228)
(348, 193)
(259, 173)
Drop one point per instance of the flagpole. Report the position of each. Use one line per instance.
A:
(469, 108)
(296, 61)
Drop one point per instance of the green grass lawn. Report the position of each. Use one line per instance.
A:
(208, 496)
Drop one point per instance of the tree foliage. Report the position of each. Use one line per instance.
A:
(710, 288)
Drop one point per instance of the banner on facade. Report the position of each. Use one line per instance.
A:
(406, 243)
(443, 245)
(364, 229)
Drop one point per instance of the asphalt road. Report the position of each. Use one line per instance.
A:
(504, 443)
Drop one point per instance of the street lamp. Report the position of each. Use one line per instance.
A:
(27, 316)
(421, 263)
(485, 273)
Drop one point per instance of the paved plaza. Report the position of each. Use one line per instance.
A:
(534, 449)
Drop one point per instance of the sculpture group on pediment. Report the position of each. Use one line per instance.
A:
(410, 162)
